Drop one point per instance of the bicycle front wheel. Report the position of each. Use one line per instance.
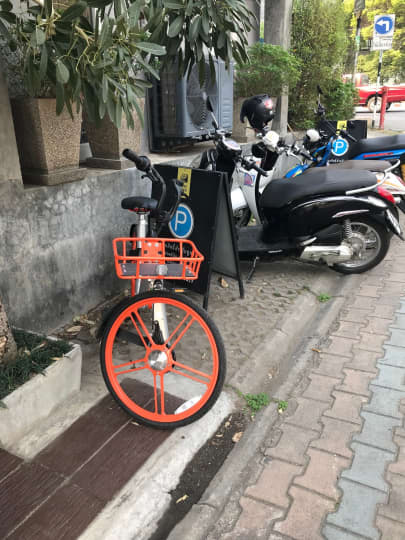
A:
(164, 381)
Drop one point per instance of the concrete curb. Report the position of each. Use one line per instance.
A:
(201, 518)
(38, 397)
(137, 508)
(265, 363)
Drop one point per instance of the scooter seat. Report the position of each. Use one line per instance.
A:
(323, 181)
(374, 165)
(376, 145)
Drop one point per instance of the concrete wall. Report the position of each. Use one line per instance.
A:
(56, 256)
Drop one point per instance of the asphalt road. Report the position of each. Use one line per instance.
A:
(394, 118)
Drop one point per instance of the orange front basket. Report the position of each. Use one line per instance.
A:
(156, 258)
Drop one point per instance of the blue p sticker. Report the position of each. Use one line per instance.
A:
(340, 147)
(182, 223)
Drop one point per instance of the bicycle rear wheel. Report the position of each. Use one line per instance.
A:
(162, 383)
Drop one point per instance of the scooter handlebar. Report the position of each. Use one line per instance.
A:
(251, 165)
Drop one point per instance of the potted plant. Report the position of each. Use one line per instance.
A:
(269, 69)
(66, 63)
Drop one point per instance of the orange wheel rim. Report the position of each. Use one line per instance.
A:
(175, 367)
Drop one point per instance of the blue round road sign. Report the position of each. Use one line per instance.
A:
(182, 223)
(384, 25)
(340, 147)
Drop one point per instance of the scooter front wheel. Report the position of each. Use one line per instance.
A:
(370, 242)
(163, 381)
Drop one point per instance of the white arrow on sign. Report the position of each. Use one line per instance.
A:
(384, 25)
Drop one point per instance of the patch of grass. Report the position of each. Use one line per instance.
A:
(323, 297)
(255, 402)
(282, 405)
(35, 354)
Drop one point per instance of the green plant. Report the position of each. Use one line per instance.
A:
(319, 40)
(255, 402)
(340, 99)
(323, 297)
(269, 69)
(35, 353)
(96, 66)
(282, 406)
(99, 65)
(192, 30)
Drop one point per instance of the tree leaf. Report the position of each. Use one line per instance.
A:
(118, 114)
(134, 12)
(172, 5)
(4, 31)
(101, 109)
(105, 29)
(151, 48)
(176, 26)
(98, 3)
(194, 28)
(105, 88)
(60, 97)
(62, 72)
(205, 23)
(48, 7)
(74, 11)
(148, 67)
(44, 62)
(8, 16)
(139, 112)
(38, 37)
(6, 5)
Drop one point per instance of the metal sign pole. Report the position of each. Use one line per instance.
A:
(378, 86)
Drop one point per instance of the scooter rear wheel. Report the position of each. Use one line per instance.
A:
(371, 241)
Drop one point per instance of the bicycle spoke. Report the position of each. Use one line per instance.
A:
(143, 328)
(130, 363)
(155, 393)
(193, 370)
(180, 336)
(162, 395)
(131, 370)
(190, 377)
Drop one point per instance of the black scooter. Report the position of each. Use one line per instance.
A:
(342, 218)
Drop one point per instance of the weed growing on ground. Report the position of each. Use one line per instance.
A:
(323, 297)
(282, 406)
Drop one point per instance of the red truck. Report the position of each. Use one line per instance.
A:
(366, 92)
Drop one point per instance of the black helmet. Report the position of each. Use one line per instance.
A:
(259, 110)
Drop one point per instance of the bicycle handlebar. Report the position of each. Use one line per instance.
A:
(141, 162)
(144, 164)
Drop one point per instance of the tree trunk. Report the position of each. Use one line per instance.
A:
(8, 348)
(277, 31)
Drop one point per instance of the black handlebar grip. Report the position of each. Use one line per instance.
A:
(141, 162)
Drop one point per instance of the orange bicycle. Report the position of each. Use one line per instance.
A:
(162, 356)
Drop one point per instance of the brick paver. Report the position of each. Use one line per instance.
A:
(337, 469)
(305, 516)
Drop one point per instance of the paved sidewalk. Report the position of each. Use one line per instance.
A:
(334, 466)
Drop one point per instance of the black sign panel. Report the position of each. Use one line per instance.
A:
(204, 216)
(355, 128)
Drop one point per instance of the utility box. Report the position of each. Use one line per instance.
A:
(177, 108)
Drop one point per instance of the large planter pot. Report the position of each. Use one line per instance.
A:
(107, 142)
(37, 398)
(242, 132)
(48, 145)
